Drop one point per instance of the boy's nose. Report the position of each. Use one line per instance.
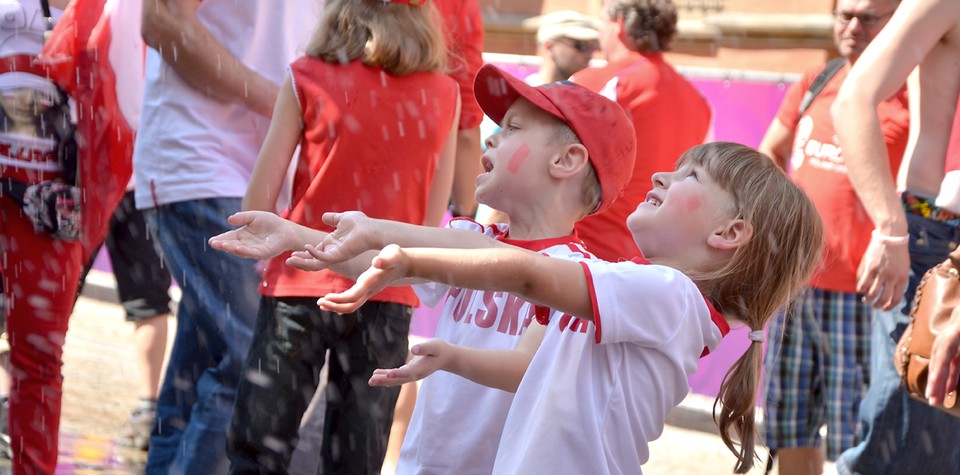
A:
(489, 142)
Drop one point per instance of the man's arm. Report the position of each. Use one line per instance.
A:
(172, 28)
(777, 143)
(882, 69)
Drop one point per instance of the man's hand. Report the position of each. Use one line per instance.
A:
(883, 274)
(389, 266)
(261, 235)
(945, 360)
(429, 357)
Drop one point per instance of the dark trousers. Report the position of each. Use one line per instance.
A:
(281, 374)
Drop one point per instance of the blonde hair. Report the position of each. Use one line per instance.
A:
(761, 276)
(397, 37)
(590, 187)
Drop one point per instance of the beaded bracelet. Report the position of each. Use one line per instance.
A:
(889, 240)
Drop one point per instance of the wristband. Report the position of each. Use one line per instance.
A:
(889, 240)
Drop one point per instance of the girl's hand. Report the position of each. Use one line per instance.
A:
(429, 357)
(261, 235)
(389, 266)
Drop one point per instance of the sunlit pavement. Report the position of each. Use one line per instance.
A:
(99, 392)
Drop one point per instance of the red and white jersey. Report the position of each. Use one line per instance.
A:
(596, 393)
(456, 423)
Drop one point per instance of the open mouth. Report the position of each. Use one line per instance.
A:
(486, 163)
(652, 199)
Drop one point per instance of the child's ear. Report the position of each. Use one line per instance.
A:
(570, 161)
(735, 233)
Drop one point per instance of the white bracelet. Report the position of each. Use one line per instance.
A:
(891, 240)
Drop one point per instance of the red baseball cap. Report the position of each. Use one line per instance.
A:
(602, 126)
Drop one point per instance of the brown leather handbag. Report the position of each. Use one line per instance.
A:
(937, 295)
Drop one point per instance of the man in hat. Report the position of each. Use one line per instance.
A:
(566, 40)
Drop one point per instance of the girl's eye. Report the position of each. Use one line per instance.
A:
(512, 127)
(693, 174)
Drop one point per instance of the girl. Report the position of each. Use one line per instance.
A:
(726, 233)
(375, 118)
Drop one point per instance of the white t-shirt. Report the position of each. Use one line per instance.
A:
(456, 423)
(596, 394)
(190, 146)
(23, 145)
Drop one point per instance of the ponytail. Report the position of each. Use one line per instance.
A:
(735, 406)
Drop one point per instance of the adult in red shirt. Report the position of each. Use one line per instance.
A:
(669, 114)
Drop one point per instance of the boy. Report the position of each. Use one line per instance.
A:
(563, 152)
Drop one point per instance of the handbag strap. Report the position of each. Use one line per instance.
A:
(47, 16)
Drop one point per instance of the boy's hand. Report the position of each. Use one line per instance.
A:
(261, 235)
(388, 266)
(309, 259)
(350, 238)
(429, 357)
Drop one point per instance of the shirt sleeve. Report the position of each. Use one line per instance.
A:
(648, 305)
(787, 114)
(432, 293)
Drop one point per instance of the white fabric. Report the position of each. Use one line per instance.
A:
(588, 407)
(456, 423)
(22, 26)
(126, 57)
(190, 146)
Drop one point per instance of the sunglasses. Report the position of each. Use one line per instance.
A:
(865, 19)
(579, 45)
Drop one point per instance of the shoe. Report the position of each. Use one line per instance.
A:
(135, 433)
(5, 450)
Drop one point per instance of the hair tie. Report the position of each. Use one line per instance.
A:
(756, 336)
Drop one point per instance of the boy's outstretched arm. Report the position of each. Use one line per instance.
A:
(556, 283)
(263, 235)
(500, 369)
(357, 233)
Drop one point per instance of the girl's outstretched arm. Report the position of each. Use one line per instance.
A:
(500, 369)
(556, 283)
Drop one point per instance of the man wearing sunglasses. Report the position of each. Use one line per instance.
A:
(566, 41)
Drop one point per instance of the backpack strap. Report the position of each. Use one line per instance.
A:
(819, 82)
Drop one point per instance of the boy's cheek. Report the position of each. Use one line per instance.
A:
(520, 156)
